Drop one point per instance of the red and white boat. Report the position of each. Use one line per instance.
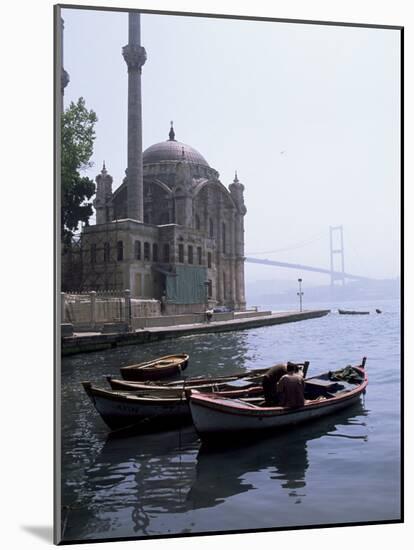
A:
(215, 416)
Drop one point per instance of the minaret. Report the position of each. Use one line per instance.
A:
(103, 201)
(135, 57)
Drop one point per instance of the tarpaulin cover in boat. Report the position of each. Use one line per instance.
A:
(347, 374)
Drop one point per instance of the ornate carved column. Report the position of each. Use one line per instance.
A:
(236, 189)
(232, 251)
(135, 57)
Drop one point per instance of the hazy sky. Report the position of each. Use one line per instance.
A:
(309, 116)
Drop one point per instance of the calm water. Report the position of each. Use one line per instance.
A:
(342, 469)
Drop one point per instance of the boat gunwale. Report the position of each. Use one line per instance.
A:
(125, 395)
(114, 395)
(142, 385)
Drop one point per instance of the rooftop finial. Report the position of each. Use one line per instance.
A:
(103, 168)
(236, 179)
(172, 133)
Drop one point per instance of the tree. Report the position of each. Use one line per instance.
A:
(78, 135)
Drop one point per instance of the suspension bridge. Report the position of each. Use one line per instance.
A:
(336, 271)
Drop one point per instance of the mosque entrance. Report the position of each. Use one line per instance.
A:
(138, 285)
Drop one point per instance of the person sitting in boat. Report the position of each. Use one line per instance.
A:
(291, 388)
(270, 381)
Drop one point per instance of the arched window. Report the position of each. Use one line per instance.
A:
(155, 252)
(147, 252)
(181, 253)
(119, 251)
(137, 250)
(209, 259)
(210, 227)
(199, 255)
(166, 253)
(223, 236)
(197, 222)
(190, 254)
(107, 251)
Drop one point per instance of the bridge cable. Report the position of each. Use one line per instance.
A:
(301, 244)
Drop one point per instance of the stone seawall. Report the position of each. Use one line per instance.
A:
(88, 342)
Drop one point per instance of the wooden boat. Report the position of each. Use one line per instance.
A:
(120, 409)
(177, 386)
(215, 416)
(352, 312)
(166, 404)
(203, 383)
(157, 368)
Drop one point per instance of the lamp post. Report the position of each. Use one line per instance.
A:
(300, 294)
(206, 286)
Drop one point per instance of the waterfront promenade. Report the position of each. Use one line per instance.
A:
(82, 342)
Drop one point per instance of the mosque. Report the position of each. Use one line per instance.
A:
(171, 231)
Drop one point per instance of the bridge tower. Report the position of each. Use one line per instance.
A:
(336, 240)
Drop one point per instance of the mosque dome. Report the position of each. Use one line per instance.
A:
(172, 151)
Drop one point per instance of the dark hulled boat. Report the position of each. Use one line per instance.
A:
(352, 312)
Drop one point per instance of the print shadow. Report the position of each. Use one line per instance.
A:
(43, 532)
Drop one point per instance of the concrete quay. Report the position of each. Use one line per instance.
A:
(96, 341)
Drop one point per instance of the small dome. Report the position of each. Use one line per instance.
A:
(172, 151)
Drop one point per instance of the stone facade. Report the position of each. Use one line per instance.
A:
(190, 219)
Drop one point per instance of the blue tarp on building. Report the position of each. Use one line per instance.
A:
(187, 286)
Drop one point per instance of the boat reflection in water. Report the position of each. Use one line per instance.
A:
(156, 483)
(133, 480)
(222, 473)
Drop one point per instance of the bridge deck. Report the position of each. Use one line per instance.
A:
(303, 267)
